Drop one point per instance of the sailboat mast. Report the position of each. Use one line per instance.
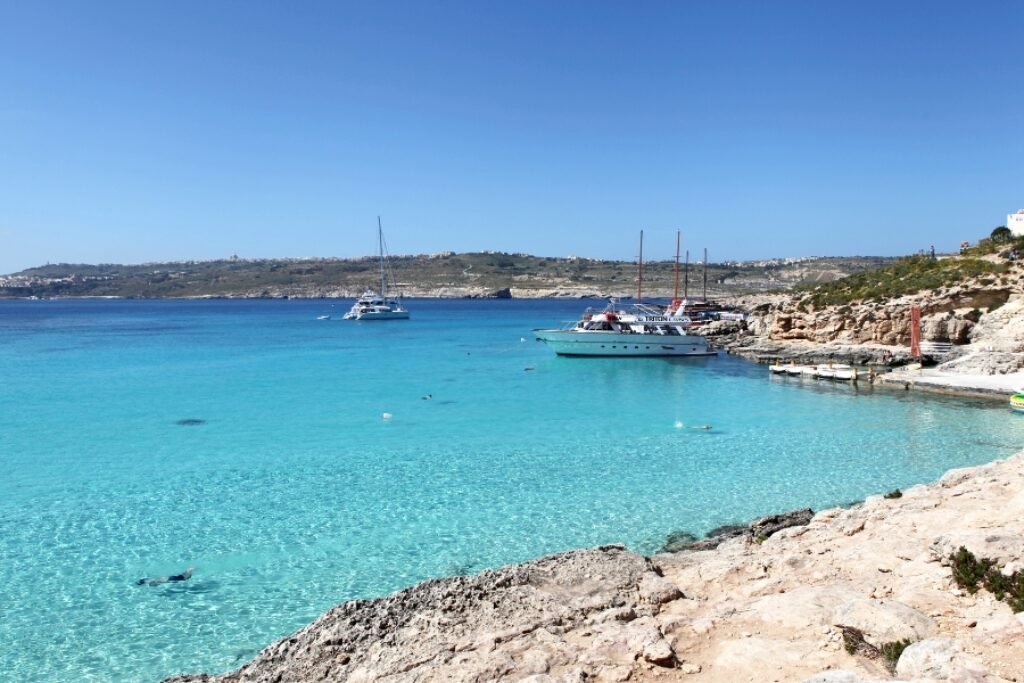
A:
(380, 248)
(675, 296)
(686, 276)
(640, 270)
(705, 269)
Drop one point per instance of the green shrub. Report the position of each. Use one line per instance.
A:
(971, 573)
(891, 652)
(968, 571)
(907, 276)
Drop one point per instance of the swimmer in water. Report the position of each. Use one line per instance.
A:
(157, 580)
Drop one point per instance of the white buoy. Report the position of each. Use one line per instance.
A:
(679, 424)
(387, 416)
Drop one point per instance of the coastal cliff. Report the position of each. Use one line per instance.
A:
(823, 602)
(973, 324)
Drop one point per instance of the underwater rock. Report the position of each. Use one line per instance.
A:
(716, 536)
(678, 540)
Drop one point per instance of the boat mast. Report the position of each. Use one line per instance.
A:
(640, 270)
(380, 248)
(705, 269)
(686, 276)
(675, 296)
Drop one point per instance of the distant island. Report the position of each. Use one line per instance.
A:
(444, 275)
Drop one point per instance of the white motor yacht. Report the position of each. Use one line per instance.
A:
(641, 330)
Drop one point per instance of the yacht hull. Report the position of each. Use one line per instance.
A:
(379, 315)
(617, 344)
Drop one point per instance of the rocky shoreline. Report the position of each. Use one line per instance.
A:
(774, 601)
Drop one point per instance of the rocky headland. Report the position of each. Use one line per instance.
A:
(972, 331)
(847, 595)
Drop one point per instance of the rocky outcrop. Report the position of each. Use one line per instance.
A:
(887, 323)
(757, 531)
(975, 327)
(809, 353)
(527, 619)
(504, 293)
(763, 608)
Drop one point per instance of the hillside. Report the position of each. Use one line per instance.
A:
(449, 274)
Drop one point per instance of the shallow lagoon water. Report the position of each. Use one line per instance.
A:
(246, 438)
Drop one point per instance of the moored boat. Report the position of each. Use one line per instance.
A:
(378, 306)
(1017, 402)
(641, 330)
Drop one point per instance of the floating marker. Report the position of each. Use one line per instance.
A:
(679, 424)
(387, 416)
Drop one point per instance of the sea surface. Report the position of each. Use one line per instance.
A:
(289, 492)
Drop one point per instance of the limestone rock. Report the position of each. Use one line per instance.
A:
(659, 653)
(752, 611)
(841, 676)
(884, 621)
(657, 590)
(804, 607)
(941, 659)
(465, 626)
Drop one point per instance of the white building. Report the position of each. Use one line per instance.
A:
(1015, 222)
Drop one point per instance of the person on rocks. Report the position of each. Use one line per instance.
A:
(158, 580)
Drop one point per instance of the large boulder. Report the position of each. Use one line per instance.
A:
(884, 621)
(940, 659)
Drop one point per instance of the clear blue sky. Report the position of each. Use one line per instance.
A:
(140, 131)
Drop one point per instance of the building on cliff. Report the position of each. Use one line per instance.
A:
(1015, 222)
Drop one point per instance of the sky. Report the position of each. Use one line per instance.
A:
(147, 131)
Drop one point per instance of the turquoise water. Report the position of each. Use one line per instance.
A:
(294, 494)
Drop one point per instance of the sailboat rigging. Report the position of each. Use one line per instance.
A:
(378, 305)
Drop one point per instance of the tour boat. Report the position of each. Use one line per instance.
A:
(640, 330)
(378, 305)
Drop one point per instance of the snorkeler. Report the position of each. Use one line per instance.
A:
(157, 580)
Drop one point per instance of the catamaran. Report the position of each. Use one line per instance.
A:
(640, 330)
(378, 305)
